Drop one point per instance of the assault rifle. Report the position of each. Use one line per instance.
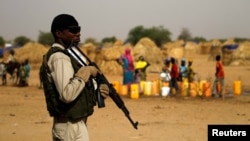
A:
(101, 79)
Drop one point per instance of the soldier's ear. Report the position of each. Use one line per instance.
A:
(58, 33)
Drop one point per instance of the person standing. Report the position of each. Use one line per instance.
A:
(22, 75)
(190, 71)
(127, 63)
(3, 73)
(174, 75)
(140, 69)
(11, 58)
(182, 70)
(219, 77)
(27, 71)
(68, 86)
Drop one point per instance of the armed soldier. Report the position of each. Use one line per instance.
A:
(68, 86)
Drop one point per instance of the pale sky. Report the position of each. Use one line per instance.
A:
(106, 18)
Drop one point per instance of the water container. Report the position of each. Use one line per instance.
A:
(116, 85)
(147, 88)
(134, 91)
(123, 90)
(193, 89)
(200, 87)
(207, 89)
(155, 88)
(184, 88)
(142, 83)
(237, 87)
(165, 91)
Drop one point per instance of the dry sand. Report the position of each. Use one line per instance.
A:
(23, 115)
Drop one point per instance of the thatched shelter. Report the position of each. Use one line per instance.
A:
(215, 49)
(153, 54)
(174, 49)
(33, 52)
(107, 59)
(241, 56)
(205, 47)
(191, 48)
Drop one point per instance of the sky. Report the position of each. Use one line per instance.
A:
(99, 19)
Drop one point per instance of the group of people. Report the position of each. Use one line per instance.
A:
(131, 73)
(173, 73)
(19, 72)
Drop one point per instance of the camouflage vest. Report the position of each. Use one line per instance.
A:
(81, 107)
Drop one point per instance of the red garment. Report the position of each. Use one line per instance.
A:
(130, 59)
(174, 71)
(219, 70)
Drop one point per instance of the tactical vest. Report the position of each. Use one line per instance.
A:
(81, 107)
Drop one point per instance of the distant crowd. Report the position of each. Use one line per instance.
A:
(19, 71)
(172, 72)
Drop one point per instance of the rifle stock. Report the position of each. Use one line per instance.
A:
(101, 79)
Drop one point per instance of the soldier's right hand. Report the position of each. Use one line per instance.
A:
(87, 71)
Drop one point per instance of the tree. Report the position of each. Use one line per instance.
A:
(239, 40)
(185, 35)
(21, 41)
(45, 38)
(109, 40)
(159, 35)
(91, 40)
(136, 34)
(199, 39)
(2, 42)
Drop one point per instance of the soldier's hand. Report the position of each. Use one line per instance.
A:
(104, 89)
(87, 71)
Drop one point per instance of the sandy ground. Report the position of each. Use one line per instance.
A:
(23, 115)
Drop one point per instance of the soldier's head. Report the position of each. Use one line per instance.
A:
(65, 29)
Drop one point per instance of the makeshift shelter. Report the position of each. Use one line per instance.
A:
(148, 49)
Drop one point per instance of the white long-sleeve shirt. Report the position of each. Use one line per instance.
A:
(62, 72)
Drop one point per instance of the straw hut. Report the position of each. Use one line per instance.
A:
(205, 47)
(33, 52)
(191, 48)
(106, 58)
(227, 51)
(174, 49)
(241, 55)
(215, 49)
(148, 49)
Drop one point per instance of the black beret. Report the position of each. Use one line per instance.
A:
(63, 21)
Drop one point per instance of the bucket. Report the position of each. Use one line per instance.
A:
(155, 88)
(116, 85)
(193, 89)
(147, 88)
(134, 91)
(142, 83)
(200, 87)
(184, 88)
(237, 87)
(165, 91)
(207, 89)
(123, 90)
